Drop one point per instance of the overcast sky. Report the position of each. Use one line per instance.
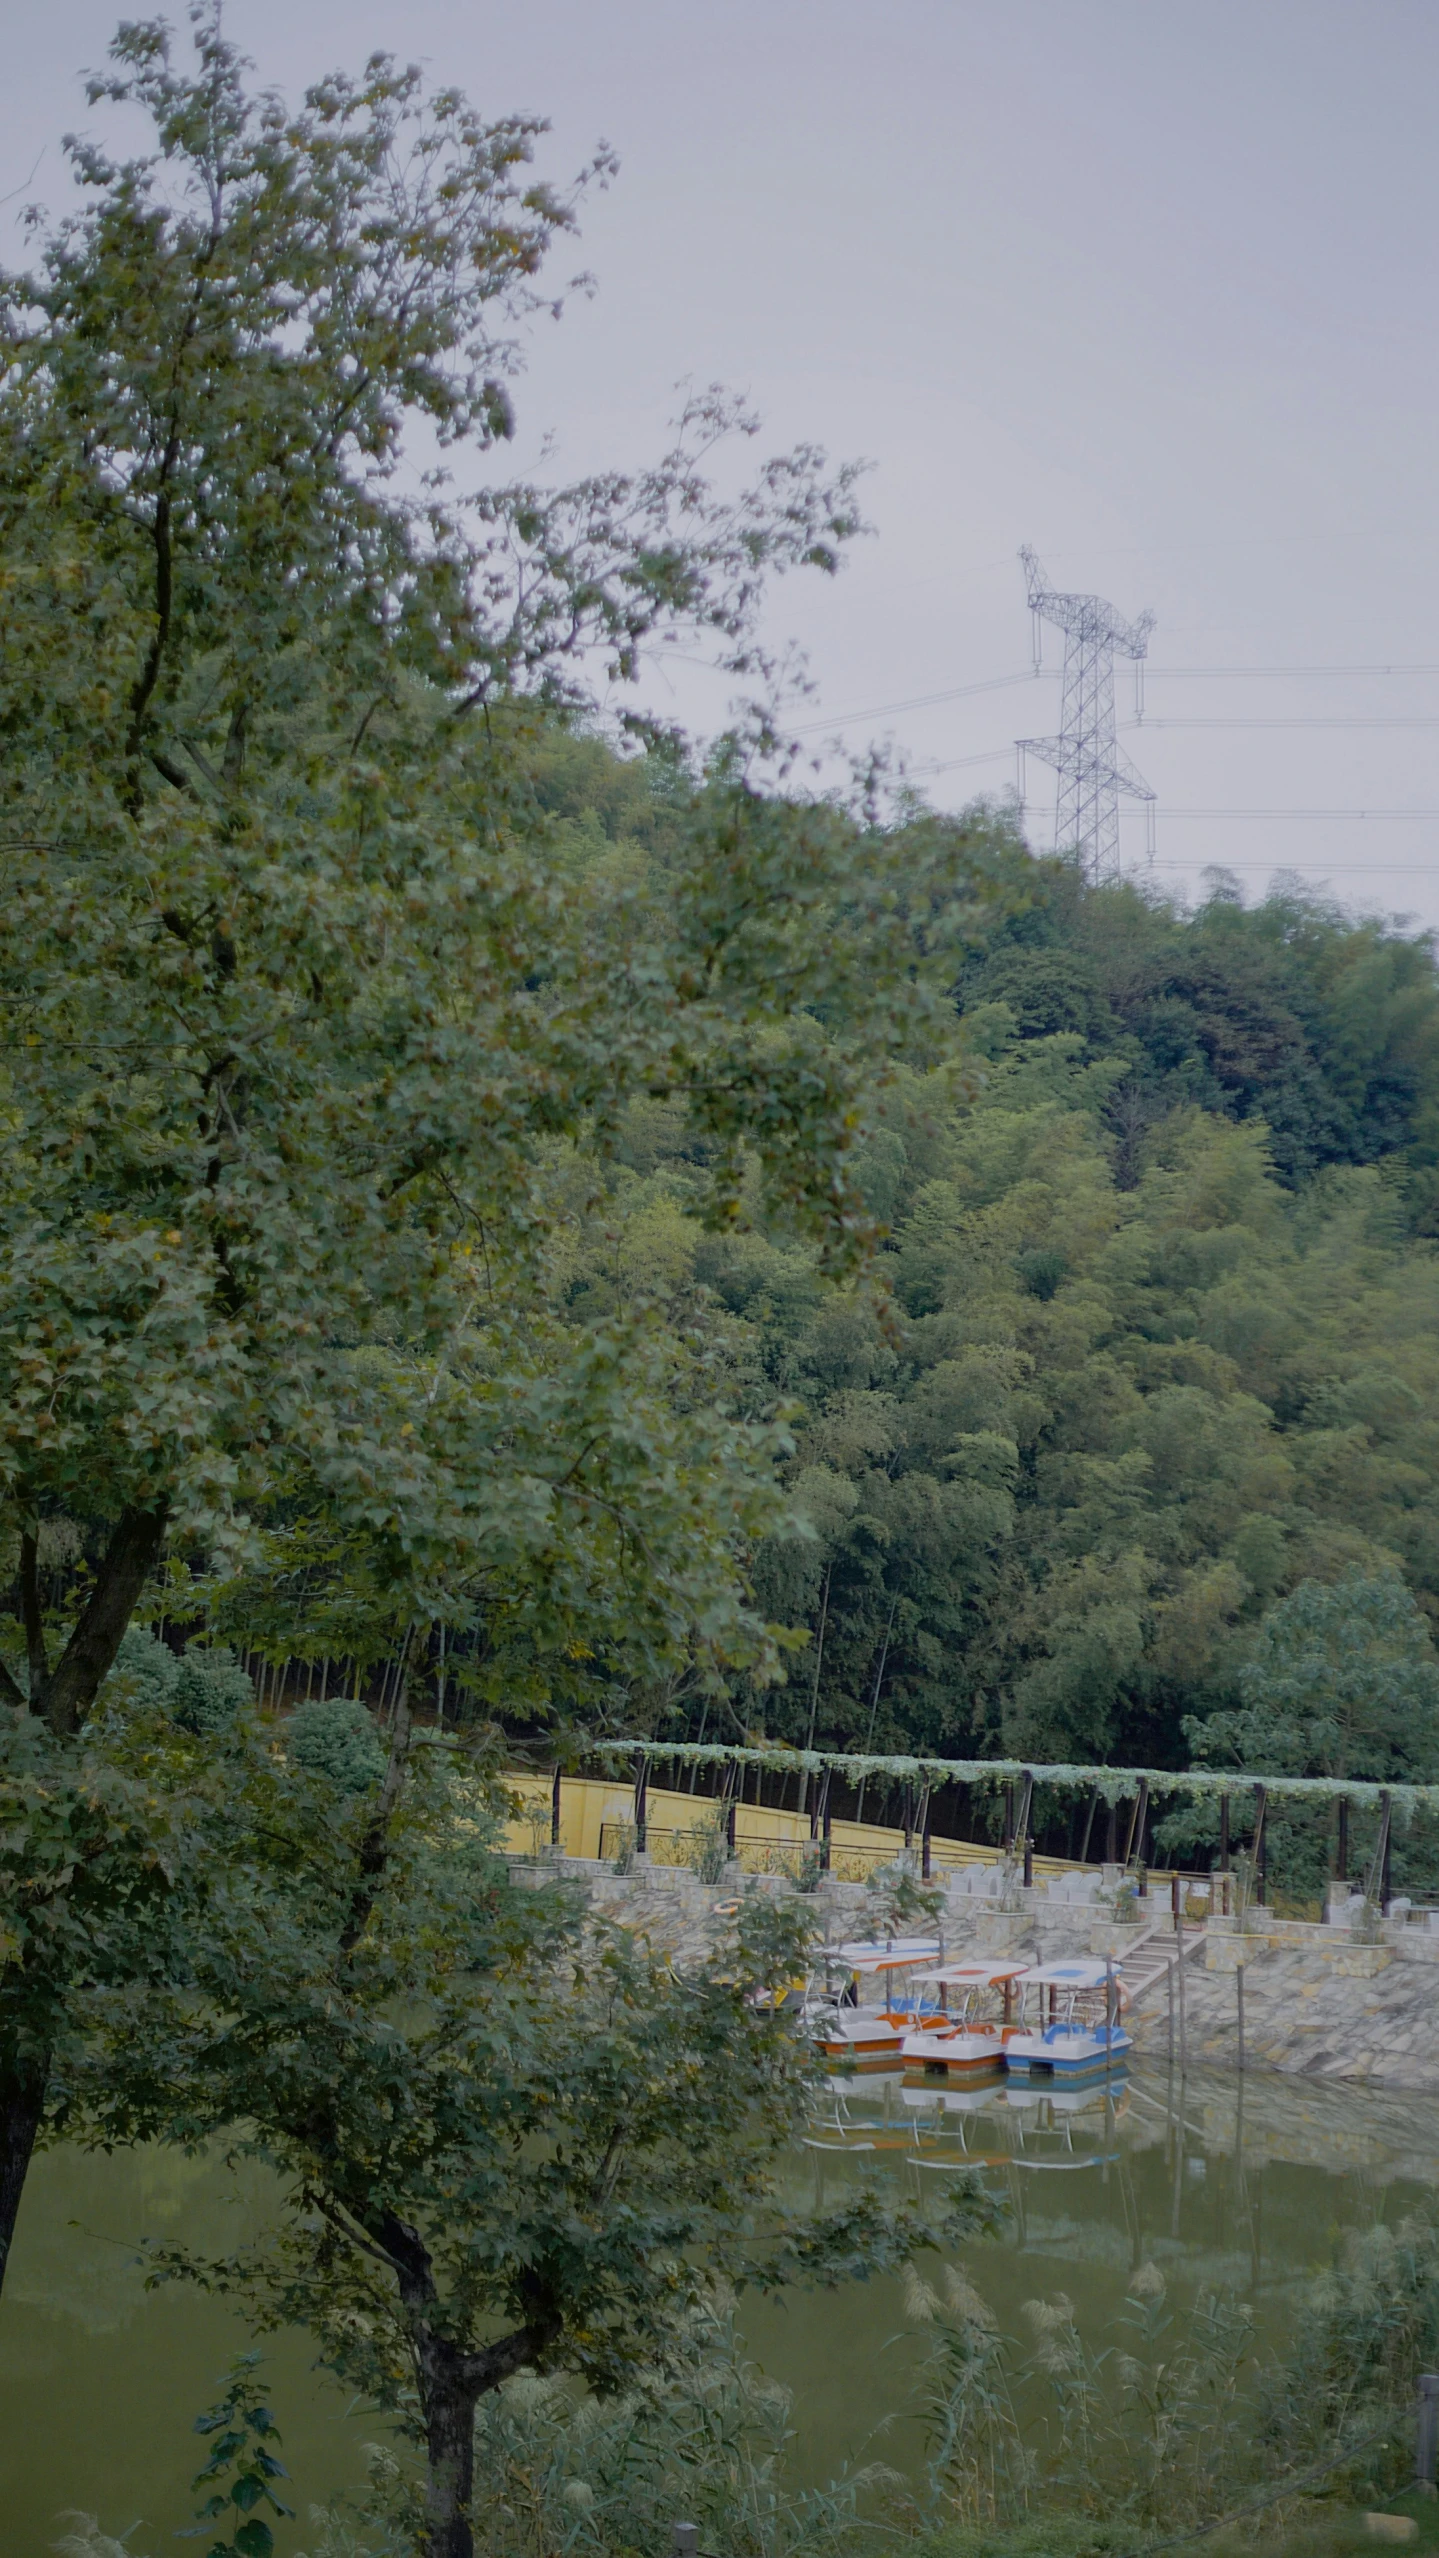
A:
(1146, 283)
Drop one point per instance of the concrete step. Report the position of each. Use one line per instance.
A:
(1161, 1951)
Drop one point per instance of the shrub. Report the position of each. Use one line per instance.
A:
(204, 1690)
(335, 1737)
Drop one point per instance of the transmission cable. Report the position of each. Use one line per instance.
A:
(1334, 720)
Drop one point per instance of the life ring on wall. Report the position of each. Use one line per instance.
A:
(726, 1909)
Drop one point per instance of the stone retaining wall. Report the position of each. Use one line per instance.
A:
(1317, 2003)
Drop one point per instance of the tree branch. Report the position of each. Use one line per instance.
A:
(607, 2173)
(233, 766)
(149, 675)
(31, 1614)
(70, 1691)
(375, 1845)
(171, 773)
(507, 2355)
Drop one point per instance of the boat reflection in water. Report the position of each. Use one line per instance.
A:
(976, 2125)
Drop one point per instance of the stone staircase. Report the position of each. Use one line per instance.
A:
(1153, 1955)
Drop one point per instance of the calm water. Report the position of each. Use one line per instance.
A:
(1245, 2188)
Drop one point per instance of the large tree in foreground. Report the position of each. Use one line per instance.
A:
(505, 2138)
(298, 1016)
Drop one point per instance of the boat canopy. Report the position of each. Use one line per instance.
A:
(869, 1957)
(972, 1976)
(1079, 1974)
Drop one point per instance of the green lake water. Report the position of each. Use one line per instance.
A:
(1243, 2187)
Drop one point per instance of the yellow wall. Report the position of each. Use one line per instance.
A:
(765, 1839)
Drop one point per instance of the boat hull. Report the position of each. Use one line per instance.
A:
(871, 2043)
(1066, 2060)
(948, 2055)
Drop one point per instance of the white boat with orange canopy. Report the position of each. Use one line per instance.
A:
(967, 2038)
(852, 2035)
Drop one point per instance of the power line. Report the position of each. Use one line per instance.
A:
(957, 763)
(1027, 674)
(920, 701)
(1381, 870)
(1221, 671)
(1366, 816)
(1338, 719)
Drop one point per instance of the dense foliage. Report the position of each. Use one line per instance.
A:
(305, 1024)
(605, 1233)
(1147, 1366)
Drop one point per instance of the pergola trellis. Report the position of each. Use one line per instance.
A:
(922, 1776)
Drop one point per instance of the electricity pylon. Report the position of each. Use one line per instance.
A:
(1092, 767)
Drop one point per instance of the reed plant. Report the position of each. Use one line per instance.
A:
(704, 2440)
(1368, 2327)
(1122, 2430)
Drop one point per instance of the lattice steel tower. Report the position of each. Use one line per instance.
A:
(1092, 767)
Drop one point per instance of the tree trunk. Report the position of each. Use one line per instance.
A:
(450, 2392)
(72, 1686)
(22, 2103)
(452, 2380)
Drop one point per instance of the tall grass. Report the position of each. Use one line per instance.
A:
(1121, 2430)
(704, 2442)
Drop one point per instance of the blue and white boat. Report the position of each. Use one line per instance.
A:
(1069, 2029)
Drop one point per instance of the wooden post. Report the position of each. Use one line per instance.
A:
(907, 1805)
(1384, 1875)
(1089, 1826)
(1426, 2432)
(1239, 1987)
(1174, 1909)
(729, 1822)
(926, 1816)
(555, 1811)
(825, 1840)
(1261, 1844)
(1009, 1814)
(1224, 1834)
(1111, 1836)
(642, 1788)
(1183, 2032)
(1025, 1801)
(1341, 1862)
(1134, 1836)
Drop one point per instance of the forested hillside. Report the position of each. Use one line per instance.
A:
(1160, 1342)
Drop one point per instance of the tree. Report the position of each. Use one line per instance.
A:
(1339, 1679)
(1342, 1680)
(505, 2137)
(1121, 1404)
(303, 1018)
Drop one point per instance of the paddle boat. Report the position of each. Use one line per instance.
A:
(967, 2038)
(1069, 2027)
(850, 2035)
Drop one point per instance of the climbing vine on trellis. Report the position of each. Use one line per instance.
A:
(1112, 1784)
